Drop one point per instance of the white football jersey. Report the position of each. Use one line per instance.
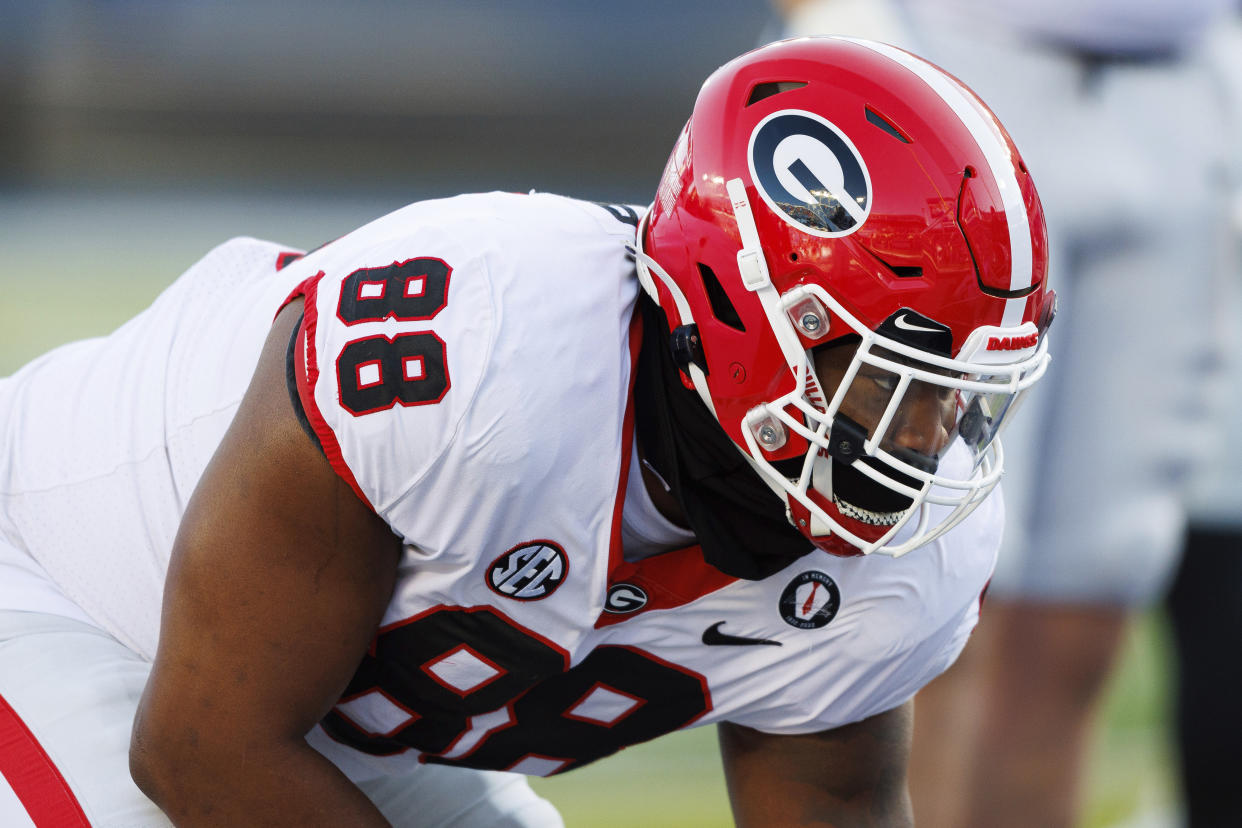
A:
(467, 367)
(472, 381)
(102, 441)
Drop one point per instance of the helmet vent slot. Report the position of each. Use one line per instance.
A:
(770, 88)
(722, 307)
(888, 126)
(902, 271)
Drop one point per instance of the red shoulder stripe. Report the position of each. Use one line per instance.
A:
(306, 367)
(670, 579)
(627, 439)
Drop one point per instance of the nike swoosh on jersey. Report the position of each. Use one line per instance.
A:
(712, 636)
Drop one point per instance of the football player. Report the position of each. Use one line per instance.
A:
(501, 484)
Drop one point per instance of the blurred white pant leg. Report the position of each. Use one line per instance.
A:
(12, 813)
(75, 689)
(1216, 494)
(439, 796)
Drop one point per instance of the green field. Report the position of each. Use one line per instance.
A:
(70, 270)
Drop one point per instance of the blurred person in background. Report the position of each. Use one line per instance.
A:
(1205, 602)
(1121, 114)
(509, 482)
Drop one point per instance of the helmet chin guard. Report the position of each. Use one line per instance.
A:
(860, 253)
(986, 393)
(940, 494)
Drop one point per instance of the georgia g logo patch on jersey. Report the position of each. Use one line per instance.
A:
(810, 173)
(529, 571)
(624, 598)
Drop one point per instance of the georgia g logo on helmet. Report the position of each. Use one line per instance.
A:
(810, 173)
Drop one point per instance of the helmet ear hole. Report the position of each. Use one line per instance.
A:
(722, 307)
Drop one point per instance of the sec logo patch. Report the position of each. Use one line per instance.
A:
(810, 601)
(530, 571)
(810, 173)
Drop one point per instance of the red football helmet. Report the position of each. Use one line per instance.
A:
(839, 192)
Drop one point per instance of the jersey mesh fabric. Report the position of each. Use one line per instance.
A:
(103, 440)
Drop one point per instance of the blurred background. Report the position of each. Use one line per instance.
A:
(134, 136)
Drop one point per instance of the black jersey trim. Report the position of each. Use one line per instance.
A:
(291, 385)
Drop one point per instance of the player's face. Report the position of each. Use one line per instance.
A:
(924, 418)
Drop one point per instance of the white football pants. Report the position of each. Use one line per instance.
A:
(68, 693)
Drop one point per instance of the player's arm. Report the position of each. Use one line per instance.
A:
(850, 776)
(278, 580)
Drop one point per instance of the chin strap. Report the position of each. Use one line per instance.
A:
(648, 271)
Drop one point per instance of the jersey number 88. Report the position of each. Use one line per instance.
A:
(375, 373)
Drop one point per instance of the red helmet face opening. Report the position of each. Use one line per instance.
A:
(832, 191)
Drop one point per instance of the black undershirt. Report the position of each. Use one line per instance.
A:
(740, 523)
(291, 383)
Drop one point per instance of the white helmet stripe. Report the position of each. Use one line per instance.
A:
(991, 142)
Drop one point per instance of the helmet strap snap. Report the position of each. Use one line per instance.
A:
(847, 440)
(687, 348)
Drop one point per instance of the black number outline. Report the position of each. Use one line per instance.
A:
(525, 713)
(392, 303)
(392, 388)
